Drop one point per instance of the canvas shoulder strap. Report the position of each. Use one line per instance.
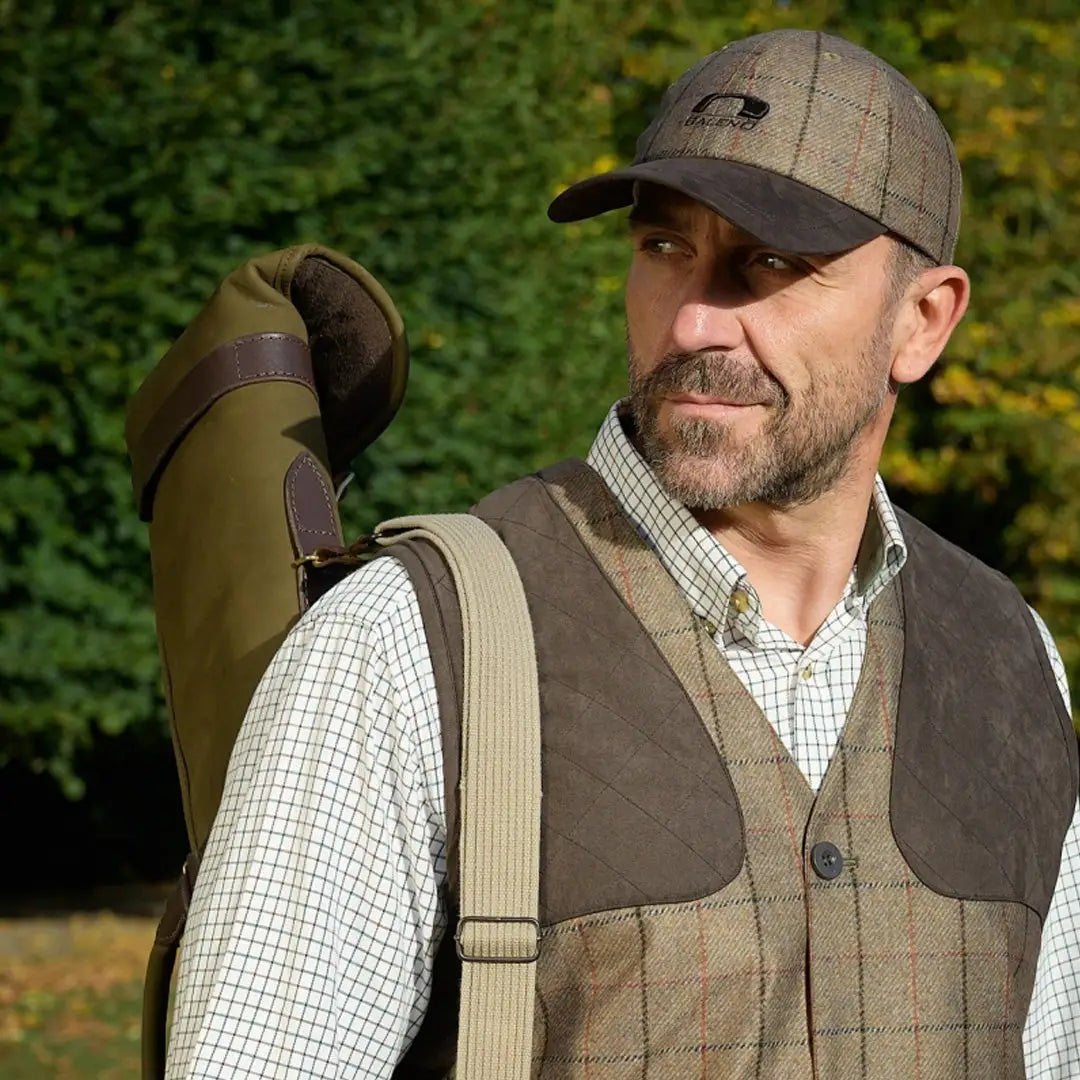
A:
(497, 935)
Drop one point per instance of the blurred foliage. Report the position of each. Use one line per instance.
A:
(150, 147)
(71, 995)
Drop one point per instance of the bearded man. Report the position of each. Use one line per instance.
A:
(809, 770)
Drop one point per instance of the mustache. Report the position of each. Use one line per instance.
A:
(711, 373)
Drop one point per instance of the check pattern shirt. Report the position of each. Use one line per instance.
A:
(318, 912)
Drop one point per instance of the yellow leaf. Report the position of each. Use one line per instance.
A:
(1067, 313)
(1059, 399)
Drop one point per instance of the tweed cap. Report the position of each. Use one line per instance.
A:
(801, 138)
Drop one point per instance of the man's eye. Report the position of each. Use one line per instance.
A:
(658, 245)
(777, 264)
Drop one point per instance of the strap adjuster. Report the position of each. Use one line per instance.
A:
(497, 920)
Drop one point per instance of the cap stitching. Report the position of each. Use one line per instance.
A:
(888, 153)
(890, 194)
(834, 95)
(922, 181)
(947, 226)
(749, 89)
(852, 171)
(809, 104)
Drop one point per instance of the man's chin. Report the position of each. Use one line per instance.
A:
(701, 483)
(703, 442)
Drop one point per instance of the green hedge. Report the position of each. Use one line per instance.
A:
(150, 147)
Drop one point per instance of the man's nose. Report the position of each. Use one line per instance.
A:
(704, 321)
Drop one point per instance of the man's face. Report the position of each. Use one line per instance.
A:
(753, 372)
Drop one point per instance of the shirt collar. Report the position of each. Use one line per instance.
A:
(713, 581)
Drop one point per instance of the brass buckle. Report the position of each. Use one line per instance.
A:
(355, 554)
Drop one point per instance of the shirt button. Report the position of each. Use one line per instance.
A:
(807, 672)
(740, 601)
(826, 860)
(710, 627)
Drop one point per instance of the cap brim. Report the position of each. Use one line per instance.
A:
(777, 210)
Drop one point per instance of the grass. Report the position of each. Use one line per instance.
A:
(70, 996)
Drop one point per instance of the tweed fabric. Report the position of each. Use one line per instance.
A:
(839, 120)
(902, 982)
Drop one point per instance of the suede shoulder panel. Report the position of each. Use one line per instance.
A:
(985, 769)
(638, 807)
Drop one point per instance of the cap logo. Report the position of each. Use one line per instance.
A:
(728, 110)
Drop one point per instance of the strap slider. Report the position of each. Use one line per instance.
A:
(476, 958)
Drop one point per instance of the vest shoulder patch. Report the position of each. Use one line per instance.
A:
(985, 767)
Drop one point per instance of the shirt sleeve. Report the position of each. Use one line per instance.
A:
(314, 924)
(1052, 1034)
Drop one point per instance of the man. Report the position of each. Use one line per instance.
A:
(809, 771)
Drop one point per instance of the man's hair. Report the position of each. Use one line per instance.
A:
(905, 265)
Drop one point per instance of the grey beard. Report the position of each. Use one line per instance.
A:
(799, 454)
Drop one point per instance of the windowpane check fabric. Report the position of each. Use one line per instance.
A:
(313, 929)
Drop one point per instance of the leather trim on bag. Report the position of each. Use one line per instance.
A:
(313, 523)
(246, 360)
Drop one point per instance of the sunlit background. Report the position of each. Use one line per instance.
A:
(150, 147)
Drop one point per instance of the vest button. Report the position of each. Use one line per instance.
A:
(826, 860)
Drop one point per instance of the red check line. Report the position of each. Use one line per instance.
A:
(1008, 989)
(789, 816)
(862, 133)
(880, 668)
(592, 1000)
(703, 979)
(750, 76)
(912, 952)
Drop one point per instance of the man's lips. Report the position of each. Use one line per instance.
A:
(709, 401)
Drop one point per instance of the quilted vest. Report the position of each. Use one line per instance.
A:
(706, 914)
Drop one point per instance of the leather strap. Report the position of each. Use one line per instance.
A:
(255, 358)
(310, 507)
(498, 933)
(159, 969)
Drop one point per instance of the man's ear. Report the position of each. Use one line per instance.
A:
(925, 318)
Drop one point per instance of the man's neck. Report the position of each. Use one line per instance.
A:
(799, 560)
